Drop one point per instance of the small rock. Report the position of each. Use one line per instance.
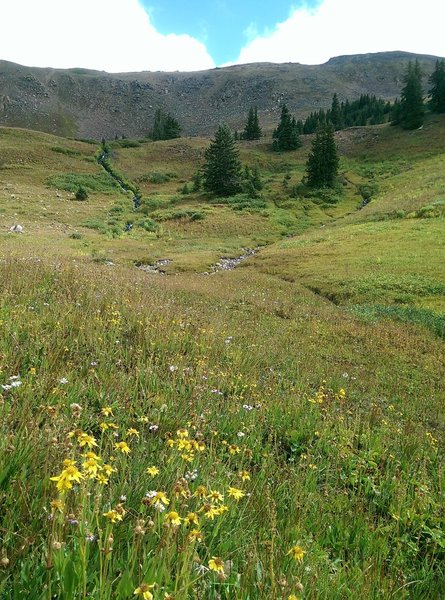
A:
(16, 228)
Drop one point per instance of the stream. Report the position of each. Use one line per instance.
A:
(102, 160)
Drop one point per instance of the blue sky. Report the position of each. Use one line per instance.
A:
(191, 35)
(224, 26)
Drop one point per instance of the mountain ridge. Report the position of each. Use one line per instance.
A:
(79, 102)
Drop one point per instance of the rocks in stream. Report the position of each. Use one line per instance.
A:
(156, 267)
(227, 264)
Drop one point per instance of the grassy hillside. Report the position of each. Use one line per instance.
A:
(274, 431)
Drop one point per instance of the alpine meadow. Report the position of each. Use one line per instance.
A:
(222, 328)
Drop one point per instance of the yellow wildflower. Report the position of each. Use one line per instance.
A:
(123, 447)
(102, 479)
(236, 493)
(56, 505)
(114, 515)
(153, 471)
(245, 476)
(144, 591)
(182, 433)
(108, 469)
(173, 518)
(216, 564)
(216, 496)
(107, 411)
(234, 449)
(195, 536)
(132, 432)
(191, 518)
(297, 553)
(85, 439)
(200, 492)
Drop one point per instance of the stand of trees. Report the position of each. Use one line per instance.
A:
(286, 136)
(367, 110)
(165, 127)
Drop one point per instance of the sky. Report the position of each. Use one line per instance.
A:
(189, 35)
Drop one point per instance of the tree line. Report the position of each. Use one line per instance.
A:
(223, 174)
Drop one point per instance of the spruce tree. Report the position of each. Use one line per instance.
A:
(165, 127)
(437, 90)
(335, 115)
(252, 129)
(410, 111)
(322, 163)
(222, 170)
(286, 134)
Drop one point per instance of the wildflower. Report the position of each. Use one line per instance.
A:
(103, 426)
(216, 564)
(240, 434)
(56, 505)
(188, 456)
(153, 471)
(222, 509)
(67, 476)
(172, 368)
(297, 553)
(63, 381)
(211, 511)
(245, 476)
(153, 428)
(102, 479)
(236, 493)
(247, 407)
(56, 545)
(216, 496)
(200, 492)
(195, 536)
(90, 537)
(144, 591)
(234, 449)
(108, 469)
(123, 447)
(191, 518)
(173, 518)
(132, 432)
(107, 411)
(114, 515)
(85, 439)
(191, 475)
(184, 444)
(182, 433)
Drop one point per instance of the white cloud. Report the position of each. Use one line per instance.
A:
(110, 35)
(340, 27)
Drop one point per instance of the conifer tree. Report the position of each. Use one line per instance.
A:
(322, 163)
(286, 134)
(335, 115)
(252, 129)
(165, 127)
(222, 170)
(410, 110)
(437, 90)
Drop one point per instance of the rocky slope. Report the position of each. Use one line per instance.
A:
(83, 103)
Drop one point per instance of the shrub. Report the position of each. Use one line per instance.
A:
(81, 193)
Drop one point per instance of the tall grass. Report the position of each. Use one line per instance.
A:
(160, 440)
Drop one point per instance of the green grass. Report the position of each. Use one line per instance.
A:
(316, 367)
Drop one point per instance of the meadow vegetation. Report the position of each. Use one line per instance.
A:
(274, 431)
